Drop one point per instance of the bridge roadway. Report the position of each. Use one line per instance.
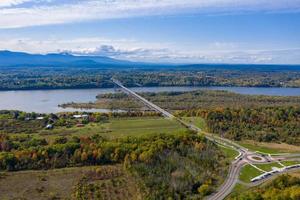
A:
(145, 101)
(236, 166)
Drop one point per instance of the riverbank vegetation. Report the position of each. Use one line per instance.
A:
(188, 101)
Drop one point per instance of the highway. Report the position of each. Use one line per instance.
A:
(245, 156)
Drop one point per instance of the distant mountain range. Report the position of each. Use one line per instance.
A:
(21, 59)
(15, 59)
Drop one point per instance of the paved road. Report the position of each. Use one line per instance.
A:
(230, 182)
(236, 166)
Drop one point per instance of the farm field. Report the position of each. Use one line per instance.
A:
(118, 128)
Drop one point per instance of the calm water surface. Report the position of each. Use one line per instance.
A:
(47, 101)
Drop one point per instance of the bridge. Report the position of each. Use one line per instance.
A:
(143, 100)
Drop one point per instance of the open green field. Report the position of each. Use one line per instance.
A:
(268, 167)
(290, 162)
(269, 148)
(112, 181)
(117, 128)
(248, 172)
(260, 148)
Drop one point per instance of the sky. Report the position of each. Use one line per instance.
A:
(185, 31)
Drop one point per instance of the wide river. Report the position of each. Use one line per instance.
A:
(47, 101)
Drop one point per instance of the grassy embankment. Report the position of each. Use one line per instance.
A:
(248, 172)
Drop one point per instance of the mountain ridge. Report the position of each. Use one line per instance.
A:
(23, 59)
(15, 59)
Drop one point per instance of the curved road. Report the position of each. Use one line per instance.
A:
(230, 182)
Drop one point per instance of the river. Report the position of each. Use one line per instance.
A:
(47, 101)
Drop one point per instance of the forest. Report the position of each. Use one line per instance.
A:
(267, 124)
(71, 77)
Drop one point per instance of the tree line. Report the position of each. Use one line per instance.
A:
(264, 124)
(67, 77)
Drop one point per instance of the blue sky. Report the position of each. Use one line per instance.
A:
(203, 31)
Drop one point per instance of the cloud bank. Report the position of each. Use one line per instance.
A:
(151, 52)
(24, 13)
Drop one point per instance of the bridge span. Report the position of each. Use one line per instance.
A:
(142, 99)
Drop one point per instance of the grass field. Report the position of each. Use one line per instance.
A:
(268, 167)
(269, 148)
(118, 128)
(248, 172)
(113, 182)
(143, 126)
(290, 162)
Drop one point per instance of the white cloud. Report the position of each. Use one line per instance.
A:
(286, 56)
(130, 49)
(8, 3)
(82, 10)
